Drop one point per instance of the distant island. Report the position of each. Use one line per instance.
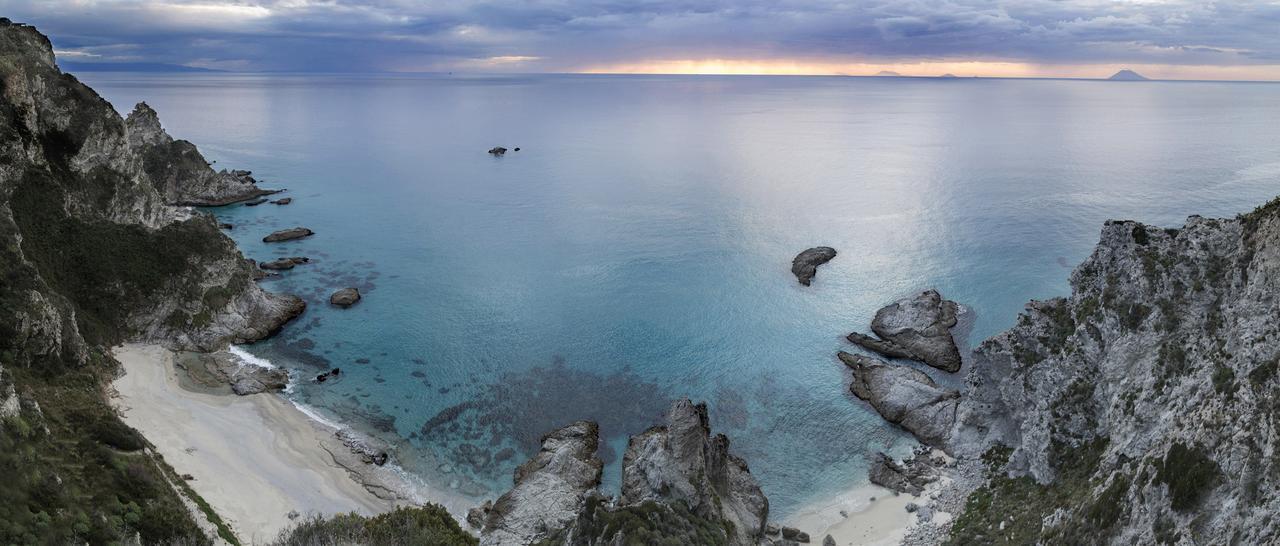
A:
(889, 73)
(948, 75)
(1126, 75)
(73, 66)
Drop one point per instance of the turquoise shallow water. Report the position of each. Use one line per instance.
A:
(638, 247)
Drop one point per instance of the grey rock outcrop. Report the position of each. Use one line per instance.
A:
(805, 265)
(288, 235)
(345, 297)
(905, 397)
(221, 368)
(177, 170)
(550, 489)
(679, 481)
(497, 150)
(683, 462)
(918, 328)
(909, 477)
(284, 201)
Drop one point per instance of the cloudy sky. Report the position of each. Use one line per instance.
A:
(1089, 38)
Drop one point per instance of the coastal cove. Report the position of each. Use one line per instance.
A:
(627, 256)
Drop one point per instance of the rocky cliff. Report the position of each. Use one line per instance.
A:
(1148, 400)
(91, 255)
(1142, 409)
(680, 485)
(93, 251)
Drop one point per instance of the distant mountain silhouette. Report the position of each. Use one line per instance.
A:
(1126, 75)
(889, 73)
(72, 66)
(947, 75)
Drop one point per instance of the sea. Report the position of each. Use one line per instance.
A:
(637, 247)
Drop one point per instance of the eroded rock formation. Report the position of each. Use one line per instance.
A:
(805, 265)
(916, 328)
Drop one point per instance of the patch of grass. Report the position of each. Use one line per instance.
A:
(1190, 474)
(1224, 381)
(1140, 235)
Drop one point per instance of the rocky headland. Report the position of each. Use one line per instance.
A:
(177, 170)
(94, 254)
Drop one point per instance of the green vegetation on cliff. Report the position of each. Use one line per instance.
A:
(429, 525)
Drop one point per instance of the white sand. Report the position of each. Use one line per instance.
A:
(882, 522)
(254, 458)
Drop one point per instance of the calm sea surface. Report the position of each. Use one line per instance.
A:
(638, 247)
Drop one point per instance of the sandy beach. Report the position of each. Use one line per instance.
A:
(255, 459)
(882, 522)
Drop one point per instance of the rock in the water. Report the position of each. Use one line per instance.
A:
(255, 202)
(918, 328)
(497, 150)
(829, 541)
(224, 225)
(905, 396)
(284, 201)
(285, 263)
(345, 297)
(328, 375)
(683, 462)
(805, 265)
(550, 489)
(288, 235)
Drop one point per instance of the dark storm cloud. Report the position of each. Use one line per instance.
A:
(316, 35)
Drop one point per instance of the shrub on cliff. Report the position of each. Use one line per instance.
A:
(429, 525)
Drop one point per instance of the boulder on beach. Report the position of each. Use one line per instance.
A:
(909, 476)
(345, 297)
(284, 201)
(497, 150)
(288, 235)
(916, 328)
(904, 396)
(805, 265)
(222, 369)
(285, 263)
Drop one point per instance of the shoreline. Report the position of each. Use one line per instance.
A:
(852, 518)
(255, 459)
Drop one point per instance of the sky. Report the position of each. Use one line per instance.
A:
(1173, 39)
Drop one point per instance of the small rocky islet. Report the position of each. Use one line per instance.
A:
(805, 265)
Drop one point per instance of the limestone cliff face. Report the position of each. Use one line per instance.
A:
(1148, 400)
(92, 252)
(177, 170)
